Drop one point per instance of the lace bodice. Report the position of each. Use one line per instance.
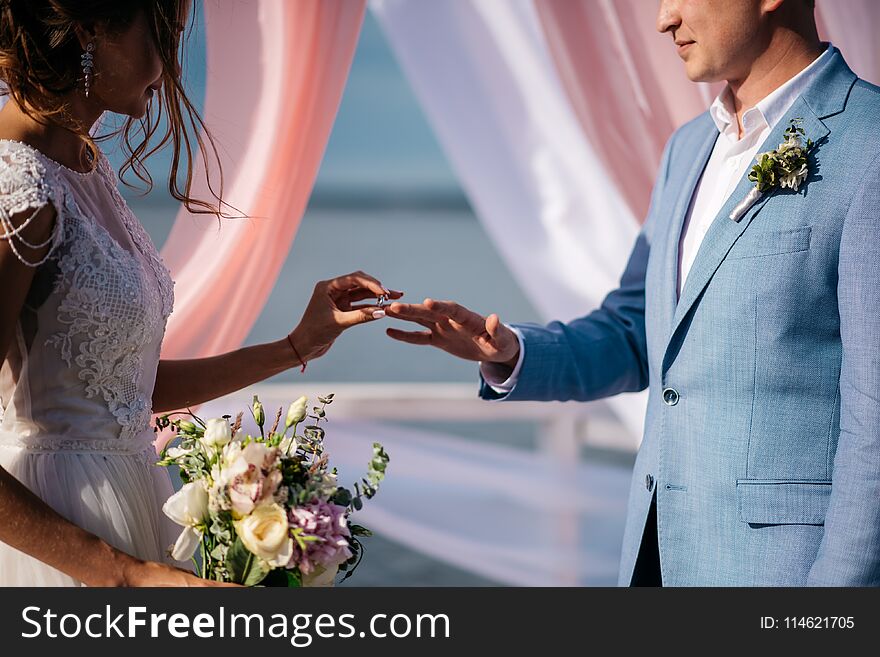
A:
(81, 373)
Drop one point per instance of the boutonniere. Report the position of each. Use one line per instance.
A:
(787, 166)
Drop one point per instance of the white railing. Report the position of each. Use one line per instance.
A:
(563, 426)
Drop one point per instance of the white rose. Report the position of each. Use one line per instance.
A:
(217, 433)
(187, 507)
(297, 411)
(266, 534)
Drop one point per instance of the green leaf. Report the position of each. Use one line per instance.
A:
(283, 578)
(245, 567)
(342, 497)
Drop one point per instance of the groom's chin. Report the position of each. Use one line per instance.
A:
(699, 71)
(700, 75)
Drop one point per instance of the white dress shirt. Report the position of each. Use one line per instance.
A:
(731, 158)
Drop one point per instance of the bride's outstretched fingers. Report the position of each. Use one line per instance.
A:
(456, 330)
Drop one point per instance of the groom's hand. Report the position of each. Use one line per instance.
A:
(456, 330)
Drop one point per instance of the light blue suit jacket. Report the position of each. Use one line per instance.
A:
(762, 434)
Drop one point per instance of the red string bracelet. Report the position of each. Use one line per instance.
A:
(297, 353)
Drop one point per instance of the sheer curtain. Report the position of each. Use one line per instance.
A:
(490, 90)
(276, 72)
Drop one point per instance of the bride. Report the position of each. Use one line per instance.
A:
(85, 298)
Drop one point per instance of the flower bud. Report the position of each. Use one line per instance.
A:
(259, 413)
(297, 412)
(186, 426)
(217, 433)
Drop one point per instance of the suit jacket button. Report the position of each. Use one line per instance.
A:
(649, 482)
(670, 396)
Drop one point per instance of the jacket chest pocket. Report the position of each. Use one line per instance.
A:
(770, 242)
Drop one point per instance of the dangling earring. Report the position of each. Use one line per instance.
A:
(87, 66)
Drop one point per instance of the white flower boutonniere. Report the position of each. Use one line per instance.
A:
(787, 166)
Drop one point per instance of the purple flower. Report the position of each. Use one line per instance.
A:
(326, 522)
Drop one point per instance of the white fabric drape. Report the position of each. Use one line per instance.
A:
(485, 79)
(487, 84)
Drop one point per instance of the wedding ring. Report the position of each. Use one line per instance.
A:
(383, 300)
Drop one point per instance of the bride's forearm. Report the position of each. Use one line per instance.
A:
(33, 527)
(186, 382)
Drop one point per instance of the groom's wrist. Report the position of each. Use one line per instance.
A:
(502, 369)
(511, 362)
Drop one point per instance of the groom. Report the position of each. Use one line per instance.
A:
(758, 337)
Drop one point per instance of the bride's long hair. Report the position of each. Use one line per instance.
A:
(40, 65)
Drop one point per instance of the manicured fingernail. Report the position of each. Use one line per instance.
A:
(378, 314)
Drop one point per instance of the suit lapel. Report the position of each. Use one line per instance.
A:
(705, 142)
(723, 232)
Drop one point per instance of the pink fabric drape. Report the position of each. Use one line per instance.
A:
(276, 72)
(628, 87)
(852, 27)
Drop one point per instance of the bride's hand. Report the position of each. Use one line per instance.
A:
(331, 310)
(150, 573)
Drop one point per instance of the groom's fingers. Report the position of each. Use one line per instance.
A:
(492, 324)
(461, 315)
(421, 322)
(411, 337)
(402, 311)
(412, 312)
(493, 328)
(487, 346)
(374, 307)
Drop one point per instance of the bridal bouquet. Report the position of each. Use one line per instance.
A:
(265, 509)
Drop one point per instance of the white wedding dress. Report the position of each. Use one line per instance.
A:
(76, 386)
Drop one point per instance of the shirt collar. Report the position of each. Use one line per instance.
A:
(770, 109)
